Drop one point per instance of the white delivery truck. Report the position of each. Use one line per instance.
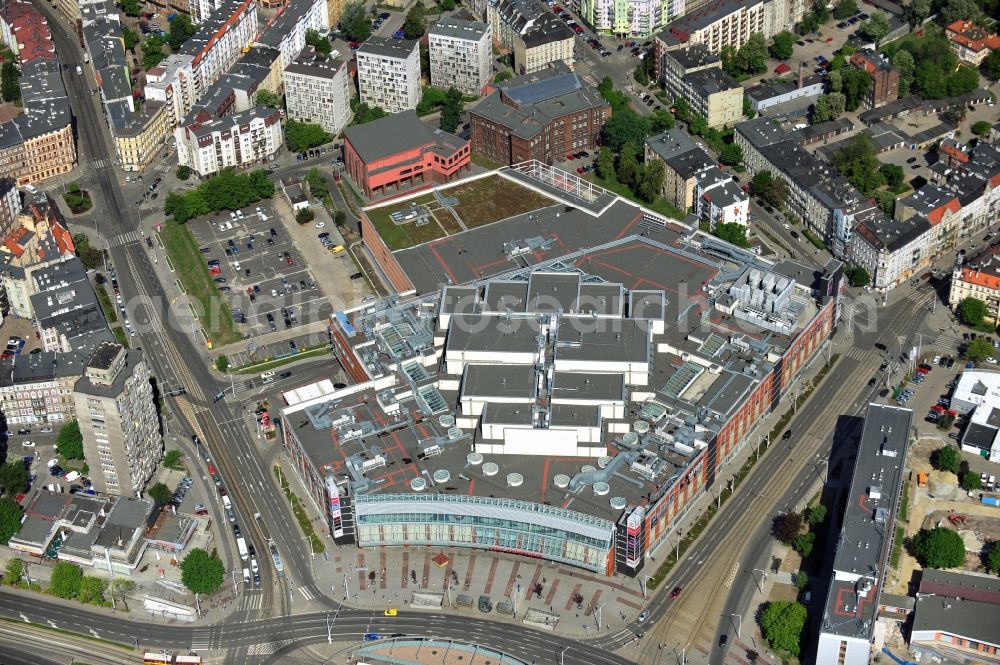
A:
(226, 503)
(241, 544)
(246, 576)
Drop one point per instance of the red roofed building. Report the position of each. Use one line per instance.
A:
(970, 42)
(30, 32)
(954, 153)
(885, 77)
(978, 278)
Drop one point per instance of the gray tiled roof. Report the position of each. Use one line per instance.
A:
(396, 133)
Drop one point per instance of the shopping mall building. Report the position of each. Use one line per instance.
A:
(568, 404)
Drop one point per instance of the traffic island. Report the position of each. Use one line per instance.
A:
(541, 620)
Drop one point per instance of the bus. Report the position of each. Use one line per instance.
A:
(167, 658)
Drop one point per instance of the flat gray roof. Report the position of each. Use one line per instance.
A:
(968, 618)
(593, 386)
(483, 332)
(499, 381)
(619, 340)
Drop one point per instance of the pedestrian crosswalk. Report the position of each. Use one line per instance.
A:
(124, 238)
(857, 353)
(267, 648)
(307, 593)
(251, 601)
(947, 342)
(102, 163)
(201, 639)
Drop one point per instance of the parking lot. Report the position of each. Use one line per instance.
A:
(269, 284)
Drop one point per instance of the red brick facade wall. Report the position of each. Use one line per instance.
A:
(386, 261)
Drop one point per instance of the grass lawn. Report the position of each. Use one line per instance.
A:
(660, 205)
(479, 160)
(120, 335)
(401, 236)
(448, 221)
(110, 313)
(494, 198)
(216, 317)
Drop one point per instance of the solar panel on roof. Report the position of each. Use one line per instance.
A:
(532, 93)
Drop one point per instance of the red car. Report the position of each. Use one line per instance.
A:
(581, 171)
(215, 270)
(676, 592)
(578, 29)
(290, 261)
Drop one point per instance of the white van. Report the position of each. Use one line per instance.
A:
(246, 576)
(226, 503)
(71, 476)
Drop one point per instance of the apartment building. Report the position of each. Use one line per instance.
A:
(955, 617)
(172, 83)
(695, 73)
(10, 206)
(389, 74)
(682, 160)
(885, 77)
(890, 250)
(286, 32)
(318, 91)
(970, 42)
(941, 207)
(642, 18)
(718, 24)
(461, 54)
(772, 93)
(118, 419)
(138, 133)
(399, 152)
(209, 144)
(535, 36)
(979, 277)
(201, 10)
(848, 628)
(719, 200)
(219, 41)
(540, 116)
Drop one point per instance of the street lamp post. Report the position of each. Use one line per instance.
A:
(597, 613)
(562, 660)
(738, 626)
(677, 557)
(643, 581)
(763, 578)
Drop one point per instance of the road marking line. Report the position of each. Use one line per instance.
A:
(732, 575)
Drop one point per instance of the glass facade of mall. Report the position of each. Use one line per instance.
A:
(488, 523)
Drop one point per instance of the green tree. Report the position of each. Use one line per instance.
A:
(183, 172)
(606, 163)
(69, 441)
(91, 257)
(821, 110)
(300, 136)
(268, 98)
(903, 61)
(172, 459)
(305, 215)
(991, 66)
(860, 277)
(130, 37)
(13, 478)
(152, 51)
(876, 28)
(92, 590)
(782, 623)
(505, 75)
(804, 543)
(917, 11)
(817, 514)
(10, 519)
(628, 165)
(733, 233)
(451, 110)
(415, 23)
(838, 104)
(651, 181)
(856, 86)
(957, 10)
(886, 201)
(962, 80)
(857, 162)
(318, 42)
(9, 87)
(760, 182)
(971, 311)
(835, 81)
(782, 46)
(787, 527)
(14, 572)
(698, 125)
(354, 21)
(801, 580)
(120, 588)
(339, 217)
(131, 7)
(971, 481)
(993, 558)
(777, 193)
(845, 9)
(160, 493)
(661, 120)
(731, 154)
(893, 174)
(201, 572)
(625, 127)
(938, 548)
(222, 362)
(180, 31)
(982, 128)
(751, 58)
(947, 458)
(945, 422)
(978, 350)
(66, 580)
